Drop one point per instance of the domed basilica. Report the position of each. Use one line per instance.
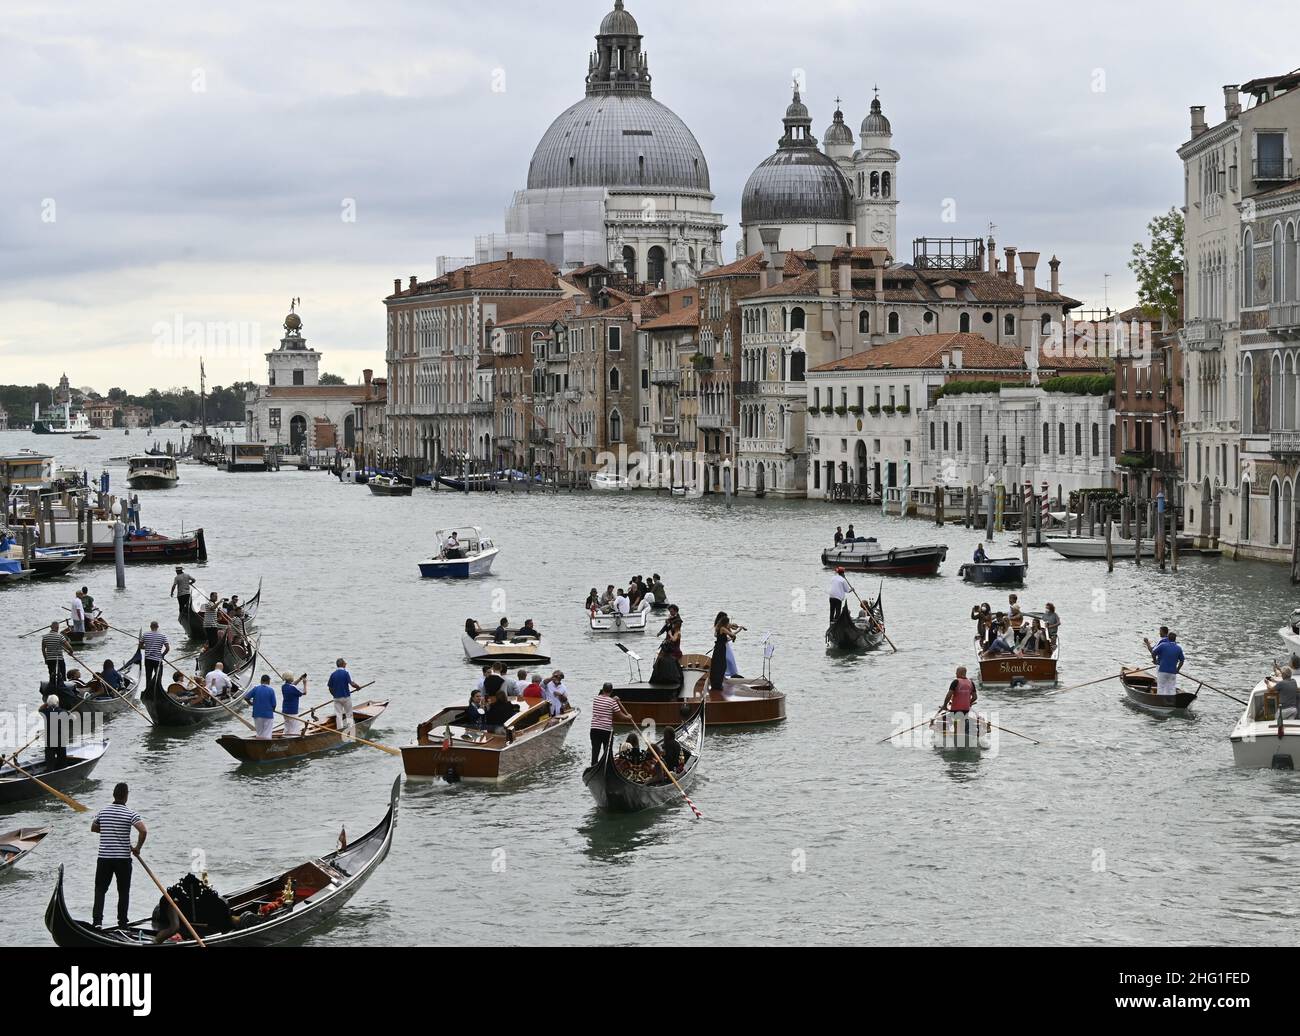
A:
(618, 179)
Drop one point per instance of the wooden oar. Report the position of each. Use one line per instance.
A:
(1216, 690)
(167, 896)
(923, 723)
(127, 700)
(208, 694)
(650, 745)
(871, 612)
(33, 633)
(1007, 730)
(53, 791)
(1104, 679)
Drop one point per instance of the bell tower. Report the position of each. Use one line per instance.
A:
(875, 168)
(293, 363)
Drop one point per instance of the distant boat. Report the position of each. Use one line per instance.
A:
(1084, 548)
(475, 556)
(152, 471)
(61, 421)
(606, 482)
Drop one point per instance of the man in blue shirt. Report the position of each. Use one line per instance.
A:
(291, 695)
(341, 687)
(263, 698)
(1169, 659)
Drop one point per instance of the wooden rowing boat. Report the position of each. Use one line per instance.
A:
(14, 845)
(312, 741)
(1141, 690)
(743, 702)
(1017, 669)
(82, 760)
(955, 732)
(623, 787)
(448, 750)
(323, 886)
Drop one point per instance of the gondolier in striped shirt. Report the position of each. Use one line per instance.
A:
(182, 589)
(155, 648)
(53, 645)
(113, 825)
(602, 722)
(211, 628)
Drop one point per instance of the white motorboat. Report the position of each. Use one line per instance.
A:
(152, 471)
(1260, 740)
(1291, 632)
(608, 482)
(473, 557)
(516, 651)
(613, 622)
(1085, 548)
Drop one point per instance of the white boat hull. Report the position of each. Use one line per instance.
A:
(486, 652)
(609, 483)
(1292, 639)
(1256, 743)
(605, 623)
(459, 568)
(1078, 549)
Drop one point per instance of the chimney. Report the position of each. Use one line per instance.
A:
(636, 314)
(413, 282)
(1198, 120)
(822, 255)
(397, 285)
(1055, 264)
(1010, 271)
(958, 355)
(880, 282)
(992, 255)
(510, 257)
(1231, 101)
(1029, 263)
(367, 375)
(846, 278)
(771, 238)
(944, 360)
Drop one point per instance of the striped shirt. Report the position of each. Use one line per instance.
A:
(52, 646)
(210, 614)
(153, 643)
(602, 712)
(115, 825)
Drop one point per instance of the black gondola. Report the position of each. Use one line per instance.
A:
(848, 633)
(166, 710)
(193, 622)
(614, 783)
(994, 572)
(323, 887)
(82, 759)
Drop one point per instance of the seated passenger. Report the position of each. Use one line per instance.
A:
(502, 633)
(1001, 644)
(631, 749)
(980, 556)
(472, 628)
(674, 754)
(475, 717)
(530, 630)
(499, 711)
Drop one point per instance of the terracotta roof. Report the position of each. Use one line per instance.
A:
(689, 316)
(502, 275)
(545, 315)
(1074, 364)
(750, 264)
(804, 283)
(923, 351)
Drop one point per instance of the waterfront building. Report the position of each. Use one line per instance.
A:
(371, 407)
(668, 370)
(293, 409)
(136, 416)
(102, 415)
(4, 420)
(439, 332)
(618, 179)
(831, 303)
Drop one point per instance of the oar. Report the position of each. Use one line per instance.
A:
(167, 896)
(127, 700)
(213, 697)
(33, 633)
(871, 612)
(929, 722)
(650, 745)
(1104, 679)
(53, 791)
(1007, 730)
(1216, 690)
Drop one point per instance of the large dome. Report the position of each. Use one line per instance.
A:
(797, 185)
(612, 140)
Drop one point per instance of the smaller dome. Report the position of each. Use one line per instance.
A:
(797, 109)
(838, 132)
(619, 22)
(875, 124)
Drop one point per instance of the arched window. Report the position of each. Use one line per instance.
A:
(798, 364)
(1047, 438)
(1247, 395)
(796, 319)
(893, 323)
(1009, 324)
(629, 262)
(1248, 270)
(655, 265)
(875, 185)
(864, 322)
(613, 379)
(1060, 439)
(1047, 324)
(1288, 521)
(615, 427)
(1274, 514)
(886, 184)
(1096, 440)
(963, 323)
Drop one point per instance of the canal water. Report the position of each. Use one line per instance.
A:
(1119, 828)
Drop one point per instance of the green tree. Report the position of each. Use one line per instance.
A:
(331, 379)
(1156, 264)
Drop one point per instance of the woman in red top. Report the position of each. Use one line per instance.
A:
(534, 688)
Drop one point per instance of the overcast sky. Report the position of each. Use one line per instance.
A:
(165, 165)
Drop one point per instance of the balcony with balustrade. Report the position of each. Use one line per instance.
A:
(1203, 335)
(667, 376)
(1284, 319)
(1284, 444)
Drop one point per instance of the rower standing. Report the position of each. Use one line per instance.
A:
(88, 604)
(57, 732)
(182, 589)
(262, 698)
(602, 722)
(341, 686)
(1052, 622)
(291, 695)
(211, 628)
(1169, 659)
(962, 694)
(839, 592)
(78, 621)
(155, 648)
(53, 646)
(113, 825)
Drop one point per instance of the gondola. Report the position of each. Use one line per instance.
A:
(848, 633)
(14, 845)
(1141, 690)
(994, 572)
(193, 622)
(167, 710)
(312, 740)
(82, 760)
(621, 787)
(100, 699)
(322, 887)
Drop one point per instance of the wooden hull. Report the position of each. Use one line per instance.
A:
(82, 760)
(742, 703)
(1141, 691)
(14, 845)
(488, 762)
(898, 561)
(190, 547)
(1005, 670)
(956, 733)
(993, 573)
(616, 793)
(385, 489)
(312, 742)
(349, 869)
